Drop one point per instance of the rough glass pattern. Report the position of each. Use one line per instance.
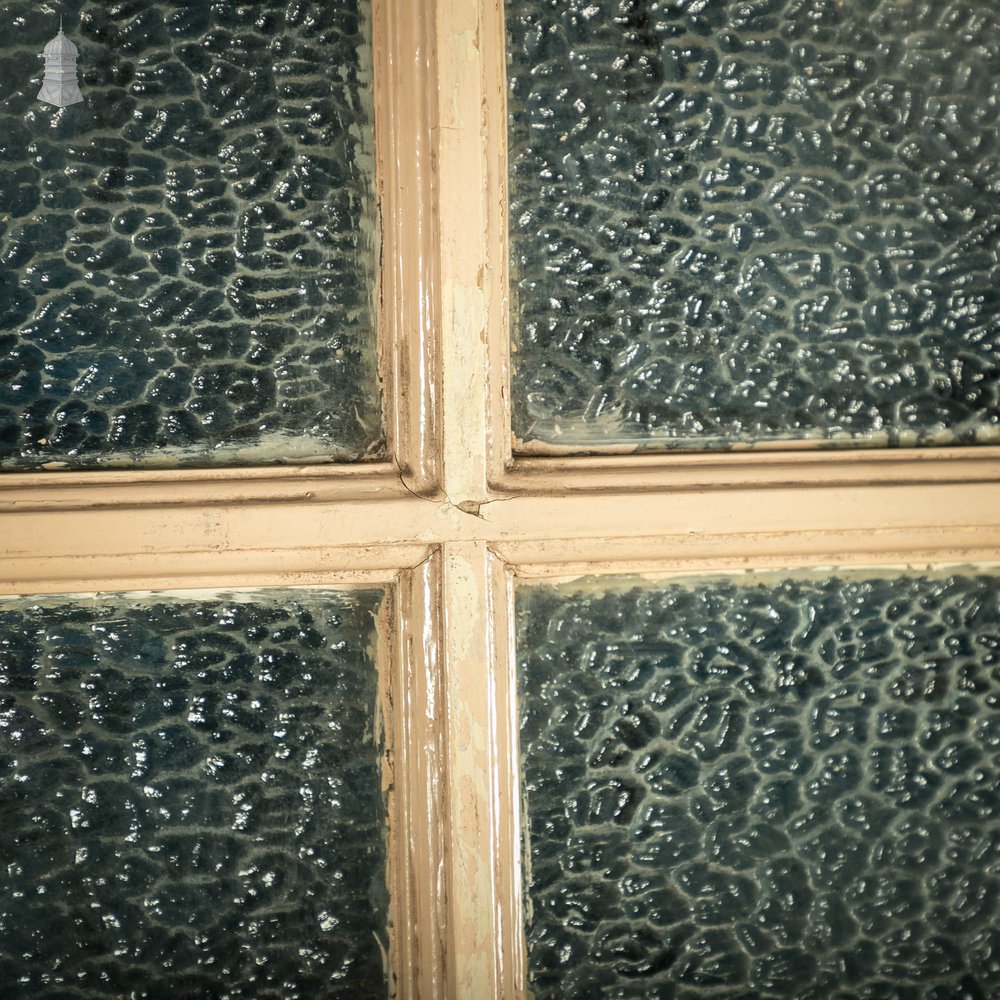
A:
(186, 258)
(190, 799)
(744, 221)
(763, 789)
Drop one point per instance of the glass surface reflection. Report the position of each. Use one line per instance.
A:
(738, 223)
(771, 787)
(187, 257)
(190, 797)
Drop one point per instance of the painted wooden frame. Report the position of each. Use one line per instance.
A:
(453, 519)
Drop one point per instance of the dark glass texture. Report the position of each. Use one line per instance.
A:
(745, 221)
(190, 799)
(780, 788)
(187, 257)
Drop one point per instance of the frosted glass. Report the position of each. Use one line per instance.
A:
(187, 257)
(742, 222)
(763, 788)
(190, 798)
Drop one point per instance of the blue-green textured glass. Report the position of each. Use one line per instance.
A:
(770, 788)
(190, 798)
(748, 221)
(187, 258)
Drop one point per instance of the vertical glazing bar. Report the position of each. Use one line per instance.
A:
(507, 817)
(472, 255)
(493, 52)
(415, 780)
(485, 939)
(407, 307)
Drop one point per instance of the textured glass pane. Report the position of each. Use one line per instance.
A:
(742, 221)
(186, 258)
(763, 789)
(190, 798)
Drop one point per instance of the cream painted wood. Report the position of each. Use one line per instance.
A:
(408, 311)
(485, 938)
(451, 517)
(471, 253)
(416, 783)
(288, 541)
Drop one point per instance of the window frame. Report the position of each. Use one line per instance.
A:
(453, 519)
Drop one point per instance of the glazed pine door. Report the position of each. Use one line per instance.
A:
(457, 517)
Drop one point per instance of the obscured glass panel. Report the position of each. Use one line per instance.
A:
(763, 788)
(747, 221)
(190, 798)
(187, 257)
